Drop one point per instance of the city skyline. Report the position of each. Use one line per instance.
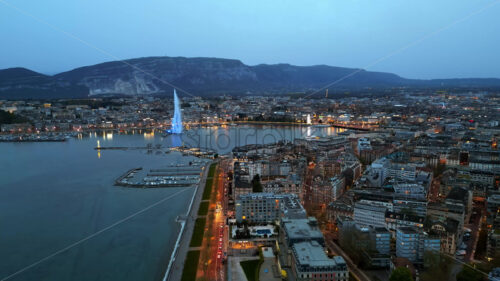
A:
(252, 140)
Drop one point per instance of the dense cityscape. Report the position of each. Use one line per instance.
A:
(321, 140)
(407, 180)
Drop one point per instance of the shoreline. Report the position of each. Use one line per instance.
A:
(161, 129)
(187, 224)
(179, 236)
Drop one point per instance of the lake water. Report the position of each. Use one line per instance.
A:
(56, 194)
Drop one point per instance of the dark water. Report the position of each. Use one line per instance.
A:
(55, 194)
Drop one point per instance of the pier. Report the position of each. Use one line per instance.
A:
(181, 176)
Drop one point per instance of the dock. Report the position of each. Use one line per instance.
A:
(181, 176)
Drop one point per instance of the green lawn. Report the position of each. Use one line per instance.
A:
(208, 190)
(199, 229)
(203, 210)
(250, 268)
(208, 185)
(190, 266)
(211, 171)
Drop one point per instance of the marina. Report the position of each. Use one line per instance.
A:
(59, 137)
(176, 176)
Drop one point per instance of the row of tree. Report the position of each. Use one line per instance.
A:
(11, 118)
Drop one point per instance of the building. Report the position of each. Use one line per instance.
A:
(410, 190)
(493, 245)
(460, 196)
(395, 221)
(431, 243)
(311, 263)
(443, 211)
(339, 208)
(382, 238)
(345, 226)
(267, 207)
(408, 205)
(412, 244)
(289, 185)
(449, 233)
(298, 230)
(338, 186)
(407, 243)
(364, 144)
(369, 214)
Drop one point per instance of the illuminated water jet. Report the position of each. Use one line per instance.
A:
(176, 127)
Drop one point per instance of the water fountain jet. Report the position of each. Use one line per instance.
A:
(176, 127)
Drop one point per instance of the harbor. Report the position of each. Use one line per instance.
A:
(172, 176)
(54, 137)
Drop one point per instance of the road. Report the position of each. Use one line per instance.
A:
(434, 189)
(475, 226)
(355, 271)
(212, 265)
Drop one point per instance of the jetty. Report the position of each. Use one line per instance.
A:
(180, 176)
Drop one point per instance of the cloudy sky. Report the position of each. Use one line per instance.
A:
(415, 39)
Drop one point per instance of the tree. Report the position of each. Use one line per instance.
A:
(437, 266)
(439, 169)
(11, 118)
(408, 211)
(469, 274)
(256, 185)
(401, 274)
(357, 244)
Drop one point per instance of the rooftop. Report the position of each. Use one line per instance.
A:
(311, 253)
(408, 230)
(302, 228)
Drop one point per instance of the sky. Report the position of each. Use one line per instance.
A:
(413, 38)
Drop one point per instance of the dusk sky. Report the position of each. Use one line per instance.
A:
(348, 33)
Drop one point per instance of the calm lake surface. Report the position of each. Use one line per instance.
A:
(56, 194)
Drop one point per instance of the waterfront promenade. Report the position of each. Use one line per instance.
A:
(175, 273)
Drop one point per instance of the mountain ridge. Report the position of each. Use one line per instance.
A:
(209, 76)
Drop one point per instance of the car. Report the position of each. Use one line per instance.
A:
(218, 256)
(220, 239)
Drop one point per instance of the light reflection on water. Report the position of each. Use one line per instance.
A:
(224, 138)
